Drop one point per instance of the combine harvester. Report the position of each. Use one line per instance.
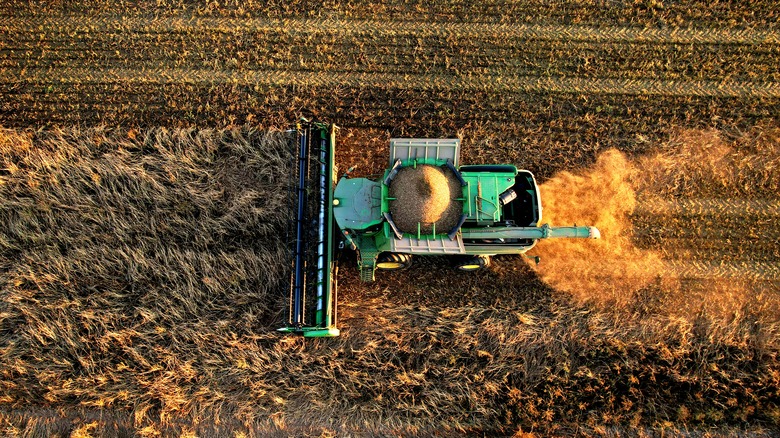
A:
(425, 203)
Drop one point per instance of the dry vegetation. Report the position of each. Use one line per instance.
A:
(141, 267)
(141, 286)
(122, 251)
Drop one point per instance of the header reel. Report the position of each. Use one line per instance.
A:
(312, 235)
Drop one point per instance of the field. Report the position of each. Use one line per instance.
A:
(142, 243)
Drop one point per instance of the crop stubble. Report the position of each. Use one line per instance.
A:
(149, 335)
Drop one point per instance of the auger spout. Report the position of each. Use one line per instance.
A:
(543, 232)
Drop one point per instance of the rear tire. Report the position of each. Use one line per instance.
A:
(393, 261)
(473, 263)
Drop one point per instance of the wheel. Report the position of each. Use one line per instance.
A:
(393, 261)
(473, 263)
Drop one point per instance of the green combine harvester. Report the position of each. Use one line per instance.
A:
(425, 203)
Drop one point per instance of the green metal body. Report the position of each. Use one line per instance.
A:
(361, 207)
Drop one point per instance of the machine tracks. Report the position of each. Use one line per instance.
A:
(407, 55)
(713, 238)
(72, 25)
(751, 271)
(736, 207)
(368, 46)
(70, 67)
(492, 83)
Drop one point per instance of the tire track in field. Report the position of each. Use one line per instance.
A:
(754, 271)
(397, 55)
(721, 207)
(738, 263)
(482, 82)
(80, 24)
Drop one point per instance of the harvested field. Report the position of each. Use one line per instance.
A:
(142, 225)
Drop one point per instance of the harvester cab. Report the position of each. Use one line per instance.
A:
(425, 203)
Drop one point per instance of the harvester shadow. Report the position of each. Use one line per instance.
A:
(509, 283)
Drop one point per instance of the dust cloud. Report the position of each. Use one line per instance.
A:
(612, 268)
(690, 227)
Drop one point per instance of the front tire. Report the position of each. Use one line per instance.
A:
(473, 263)
(393, 261)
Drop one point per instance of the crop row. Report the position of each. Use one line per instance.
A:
(542, 129)
(642, 14)
(303, 46)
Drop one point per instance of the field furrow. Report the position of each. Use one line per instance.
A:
(733, 207)
(322, 79)
(710, 226)
(398, 56)
(75, 25)
(684, 14)
(383, 47)
(756, 271)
